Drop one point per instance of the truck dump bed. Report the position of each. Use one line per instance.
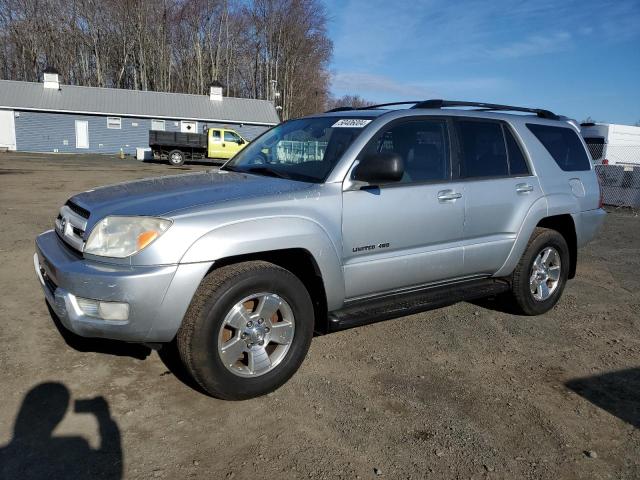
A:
(158, 138)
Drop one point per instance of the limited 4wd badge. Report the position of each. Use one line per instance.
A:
(365, 248)
(351, 123)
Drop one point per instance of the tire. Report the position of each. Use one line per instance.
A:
(176, 158)
(527, 301)
(212, 323)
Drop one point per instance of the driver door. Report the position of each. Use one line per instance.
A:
(406, 234)
(215, 143)
(230, 143)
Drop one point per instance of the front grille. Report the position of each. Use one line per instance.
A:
(83, 212)
(71, 225)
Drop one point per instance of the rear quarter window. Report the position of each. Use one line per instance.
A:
(564, 145)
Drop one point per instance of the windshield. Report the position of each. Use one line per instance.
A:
(306, 149)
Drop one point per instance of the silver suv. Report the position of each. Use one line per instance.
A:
(323, 223)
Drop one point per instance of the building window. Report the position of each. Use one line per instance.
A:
(157, 125)
(114, 123)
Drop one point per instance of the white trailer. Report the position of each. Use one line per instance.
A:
(612, 144)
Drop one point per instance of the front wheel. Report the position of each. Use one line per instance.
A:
(541, 275)
(247, 330)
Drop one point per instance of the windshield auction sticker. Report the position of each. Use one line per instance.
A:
(351, 123)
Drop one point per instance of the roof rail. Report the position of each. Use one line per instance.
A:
(485, 106)
(371, 107)
(340, 109)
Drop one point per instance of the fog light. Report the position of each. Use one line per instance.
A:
(103, 310)
(113, 310)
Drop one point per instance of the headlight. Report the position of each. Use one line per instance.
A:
(123, 236)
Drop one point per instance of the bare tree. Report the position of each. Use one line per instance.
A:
(269, 49)
(354, 101)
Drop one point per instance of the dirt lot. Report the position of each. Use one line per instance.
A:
(463, 392)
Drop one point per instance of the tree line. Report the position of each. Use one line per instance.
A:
(267, 49)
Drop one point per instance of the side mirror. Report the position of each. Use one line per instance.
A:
(240, 141)
(379, 168)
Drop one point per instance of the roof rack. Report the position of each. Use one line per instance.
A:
(455, 103)
(485, 106)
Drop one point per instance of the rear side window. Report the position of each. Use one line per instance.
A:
(563, 145)
(483, 149)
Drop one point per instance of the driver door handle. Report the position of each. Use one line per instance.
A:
(448, 196)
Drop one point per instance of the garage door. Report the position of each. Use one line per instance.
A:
(7, 130)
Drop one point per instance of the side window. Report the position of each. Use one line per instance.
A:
(564, 146)
(424, 147)
(483, 149)
(517, 162)
(157, 125)
(215, 135)
(230, 136)
(114, 123)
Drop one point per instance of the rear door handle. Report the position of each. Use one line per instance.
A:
(524, 188)
(448, 196)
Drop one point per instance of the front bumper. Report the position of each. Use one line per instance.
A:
(156, 308)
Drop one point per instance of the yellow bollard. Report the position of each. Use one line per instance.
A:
(121, 154)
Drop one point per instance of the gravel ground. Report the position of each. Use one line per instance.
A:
(466, 391)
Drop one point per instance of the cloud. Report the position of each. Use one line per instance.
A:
(534, 45)
(370, 33)
(381, 86)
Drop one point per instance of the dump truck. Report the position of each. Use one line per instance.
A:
(178, 147)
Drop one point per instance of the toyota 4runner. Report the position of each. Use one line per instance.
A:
(323, 223)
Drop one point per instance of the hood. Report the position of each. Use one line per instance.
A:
(162, 195)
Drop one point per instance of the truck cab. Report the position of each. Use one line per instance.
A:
(224, 143)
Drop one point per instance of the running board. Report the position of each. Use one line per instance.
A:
(362, 312)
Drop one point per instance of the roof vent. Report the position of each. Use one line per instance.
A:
(215, 91)
(51, 78)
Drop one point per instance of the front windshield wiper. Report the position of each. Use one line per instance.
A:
(268, 171)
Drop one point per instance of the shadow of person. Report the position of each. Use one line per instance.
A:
(35, 453)
(616, 392)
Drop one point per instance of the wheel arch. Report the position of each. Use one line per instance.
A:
(543, 214)
(564, 225)
(302, 264)
(298, 244)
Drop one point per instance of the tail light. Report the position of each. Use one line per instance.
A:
(605, 162)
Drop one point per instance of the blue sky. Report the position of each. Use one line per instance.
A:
(577, 58)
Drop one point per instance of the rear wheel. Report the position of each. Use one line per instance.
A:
(541, 275)
(176, 158)
(247, 330)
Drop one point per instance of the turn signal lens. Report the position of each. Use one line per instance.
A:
(145, 238)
